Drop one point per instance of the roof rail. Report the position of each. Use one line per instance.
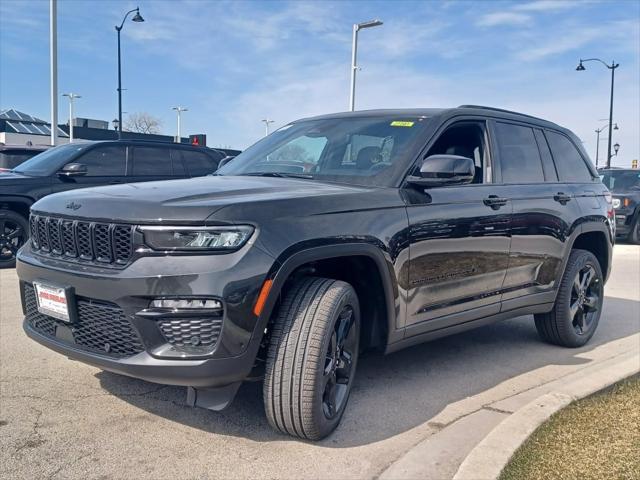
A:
(501, 110)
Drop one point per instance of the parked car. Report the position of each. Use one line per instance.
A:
(85, 164)
(624, 184)
(334, 234)
(13, 155)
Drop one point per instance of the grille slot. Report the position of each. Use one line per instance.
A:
(191, 333)
(101, 327)
(75, 240)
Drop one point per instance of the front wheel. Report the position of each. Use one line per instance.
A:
(14, 232)
(576, 313)
(312, 357)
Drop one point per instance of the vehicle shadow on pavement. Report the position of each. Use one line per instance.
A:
(398, 392)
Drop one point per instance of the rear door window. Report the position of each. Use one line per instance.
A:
(520, 160)
(151, 161)
(198, 164)
(107, 161)
(569, 163)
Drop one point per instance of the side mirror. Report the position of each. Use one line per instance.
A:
(225, 160)
(73, 170)
(437, 170)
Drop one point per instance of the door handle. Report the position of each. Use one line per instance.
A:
(495, 202)
(562, 198)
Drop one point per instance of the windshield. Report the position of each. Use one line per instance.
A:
(621, 180)
(357, 150)
(46, 163)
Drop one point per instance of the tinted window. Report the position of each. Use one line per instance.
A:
(107, 161)
(569, 163)
(198, 163)
(621, 180)
(177, 167)
(519, 156)
(151, 161)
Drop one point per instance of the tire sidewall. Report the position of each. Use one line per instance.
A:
(326, 425)
(586, 258)
(15, 217)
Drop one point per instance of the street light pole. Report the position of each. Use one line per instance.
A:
(354, 53)
(72, 97)
(611, 67)
(598, 132)
(136, 18)
(53, 59)
(266, 122)
(179, 111)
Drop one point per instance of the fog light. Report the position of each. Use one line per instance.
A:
(184, 303)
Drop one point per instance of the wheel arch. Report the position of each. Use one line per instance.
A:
(18, 204)
(364, 266)
(595, 237)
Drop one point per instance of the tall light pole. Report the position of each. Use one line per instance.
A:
(598, 131)
(354, 53)
(611, 67)
(266, 122)
(179, 111)
(72, 97)
(53, 60)
(136, 18)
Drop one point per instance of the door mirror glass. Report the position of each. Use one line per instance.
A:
(73, 170)
(439, 170)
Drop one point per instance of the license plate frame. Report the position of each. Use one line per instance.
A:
(55, 301)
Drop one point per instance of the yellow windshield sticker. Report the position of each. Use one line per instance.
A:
(399, 123)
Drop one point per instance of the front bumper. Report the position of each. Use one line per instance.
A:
(624, 221)
(230, 278)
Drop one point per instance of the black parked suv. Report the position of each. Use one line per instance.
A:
(335, 234)
(624, 184)
(85, 164)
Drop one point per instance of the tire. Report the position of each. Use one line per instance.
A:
(14, 232)
(578, 306)
(634, 235)
(313, 353)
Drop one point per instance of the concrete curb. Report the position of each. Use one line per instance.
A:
(487, 460)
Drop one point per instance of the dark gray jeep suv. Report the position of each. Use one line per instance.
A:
(335, 234)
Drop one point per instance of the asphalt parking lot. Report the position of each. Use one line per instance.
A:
(63, 419)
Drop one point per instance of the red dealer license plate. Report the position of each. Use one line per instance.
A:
(52, 301)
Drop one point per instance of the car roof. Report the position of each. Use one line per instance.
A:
(135, 141)
(23, 147)
(478, 110)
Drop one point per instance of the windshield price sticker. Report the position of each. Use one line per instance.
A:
(402, 123)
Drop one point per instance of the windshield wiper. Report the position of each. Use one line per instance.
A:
(279, 175)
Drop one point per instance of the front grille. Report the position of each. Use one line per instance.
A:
(100, 328)
(191, 332)
(76, 240)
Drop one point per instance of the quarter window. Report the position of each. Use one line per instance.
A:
(198, 164)
(105, 161)
(569, 163)
(519, 155)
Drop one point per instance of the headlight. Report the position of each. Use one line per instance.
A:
(616, 203)
(196, 238)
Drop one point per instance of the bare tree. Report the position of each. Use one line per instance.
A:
(142, 122)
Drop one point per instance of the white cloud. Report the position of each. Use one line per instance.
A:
(545, 5)
(502, 18)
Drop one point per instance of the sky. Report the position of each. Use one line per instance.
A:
(234, 63)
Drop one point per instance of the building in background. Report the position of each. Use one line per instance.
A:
(19, 128)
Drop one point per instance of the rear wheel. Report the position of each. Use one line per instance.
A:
(14, 232)
(312, 357)
(576, 313)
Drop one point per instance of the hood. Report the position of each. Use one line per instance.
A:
(189, 201)
(8, 177)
